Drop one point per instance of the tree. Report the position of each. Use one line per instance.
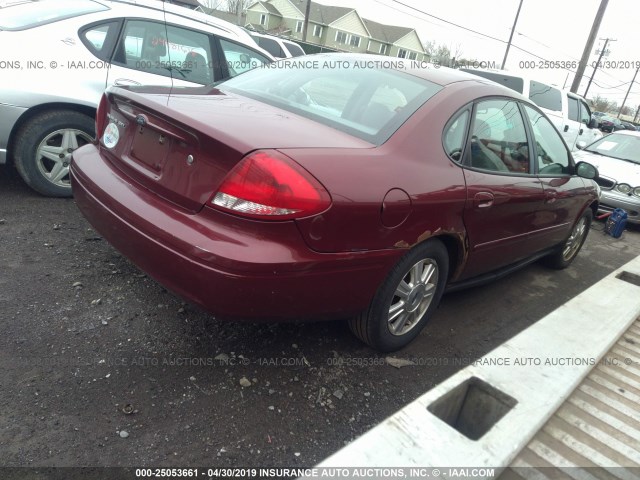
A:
(234, 5)
(626, 110)
(212, 4)
(600, 104)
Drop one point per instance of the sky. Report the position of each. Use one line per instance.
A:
(554, 30)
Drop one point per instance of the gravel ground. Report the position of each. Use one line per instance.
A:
(101, 366)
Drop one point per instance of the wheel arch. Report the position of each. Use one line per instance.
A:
(39, 109)
(456, 251)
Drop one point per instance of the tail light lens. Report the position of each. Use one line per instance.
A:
(270, 186)
(101, 116)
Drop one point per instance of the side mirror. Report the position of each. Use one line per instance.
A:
(580, 145)
(593, 123)
(586, 170)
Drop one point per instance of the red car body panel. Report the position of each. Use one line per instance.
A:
(150, 204)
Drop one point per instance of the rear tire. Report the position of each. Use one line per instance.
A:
(44, 146)
(565, 255)
(406, 300)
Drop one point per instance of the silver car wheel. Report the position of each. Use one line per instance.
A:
(53, 155)
(412, 296)
(574, 241)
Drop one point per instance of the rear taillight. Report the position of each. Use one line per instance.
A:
(101, 116)
(270, 186)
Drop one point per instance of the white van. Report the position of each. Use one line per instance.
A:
(568, 111)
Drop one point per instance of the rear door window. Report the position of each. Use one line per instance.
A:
(166, 50)
(499, 138)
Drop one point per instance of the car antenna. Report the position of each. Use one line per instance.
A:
(166, 36)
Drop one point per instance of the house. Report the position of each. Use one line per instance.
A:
(340, 28)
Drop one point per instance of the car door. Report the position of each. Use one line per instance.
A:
(563, 191)
(503, 193)
(152, 53)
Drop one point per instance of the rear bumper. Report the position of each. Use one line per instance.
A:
(232, 267)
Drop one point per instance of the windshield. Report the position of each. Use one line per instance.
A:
(618, 145)
(368, 103)
(28, 15)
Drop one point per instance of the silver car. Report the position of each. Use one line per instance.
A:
(617, 157)
(58, 56)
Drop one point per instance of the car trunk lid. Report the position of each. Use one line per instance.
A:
(181, 147)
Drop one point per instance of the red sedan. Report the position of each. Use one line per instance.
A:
(334, 186)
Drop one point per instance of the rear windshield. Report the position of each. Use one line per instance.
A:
(367, 103)
(29, 15)
(514, 83)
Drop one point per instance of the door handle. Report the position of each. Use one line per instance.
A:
(566, 128)
(483, 200)
(581, 130)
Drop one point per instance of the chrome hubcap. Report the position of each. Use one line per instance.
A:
(575, 239)
(53, 155)
(413, 296)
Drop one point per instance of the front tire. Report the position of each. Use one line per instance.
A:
(44, 146)
(406, 300)
(565, 255)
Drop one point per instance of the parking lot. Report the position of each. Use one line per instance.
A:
(103, 367)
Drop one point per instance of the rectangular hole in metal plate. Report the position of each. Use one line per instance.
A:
(629, 277)
(473, 407)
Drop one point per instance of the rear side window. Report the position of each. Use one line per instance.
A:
(98, 39)
(29, 15)
(545, 96)
(294, 49)
(271, 46)
(453, 139)
(552, 154)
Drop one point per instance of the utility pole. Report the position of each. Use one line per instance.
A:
(628, 91)
(513, 29)
(306, 21)
(595, 69)
(589, 45)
